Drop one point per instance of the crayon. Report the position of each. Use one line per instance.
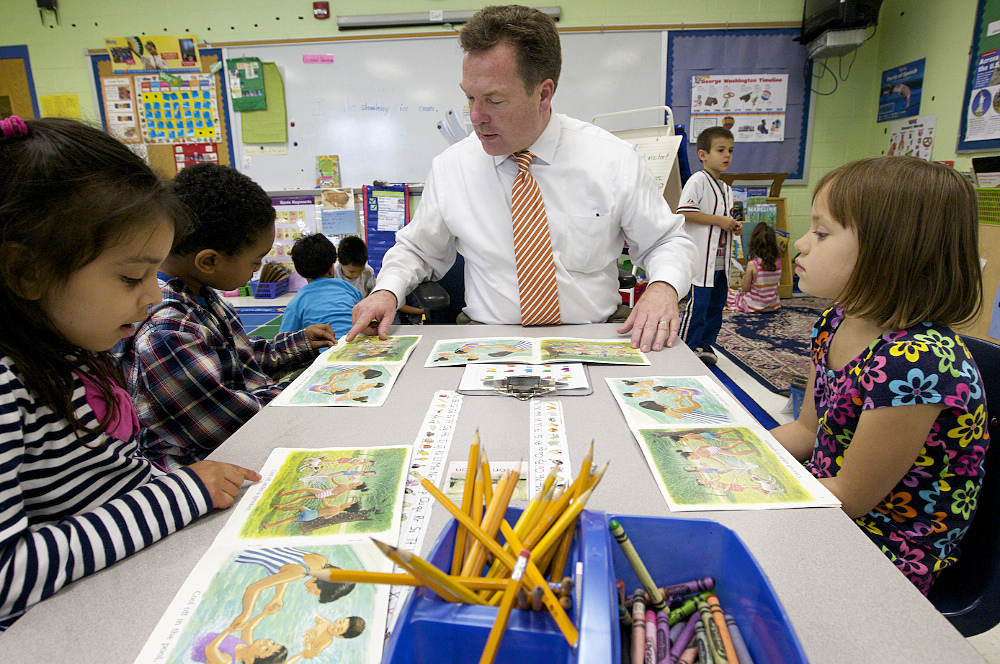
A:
(681, 643)
(688, 656)
(662, 638)
(684, 611)
(509, 595)
(676, 630)
(620, 585)
(658, 604)
(638, 630)
(689, 587)
(625, 616)
(720, 623)
(741, 646)
(712, 637)
(649, 653)
(700, 638)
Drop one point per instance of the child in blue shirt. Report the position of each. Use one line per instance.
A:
(325, 299)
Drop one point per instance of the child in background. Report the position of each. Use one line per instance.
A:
(893, 420)
(84, 223)
(193, 372)
(324, 299)
(352, 264)
(759, 290)
(707, 206)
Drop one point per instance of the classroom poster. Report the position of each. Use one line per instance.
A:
(900, 93)
(339, 216)
(327, 171)
(276, 593)
(189, 154)
(751, 106)
(307, 494)
(60, 106)
(295, 216)
(982, 120)
(120, 111)
(145, 54)
(452, 352)
(913, 137)
(183, 109)
(246, 84)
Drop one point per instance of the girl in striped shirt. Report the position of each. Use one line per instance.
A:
(759, 290)
(84, 224)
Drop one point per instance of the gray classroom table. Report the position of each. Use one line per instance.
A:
(846, 602)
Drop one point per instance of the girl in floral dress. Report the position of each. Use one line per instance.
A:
(894, 420)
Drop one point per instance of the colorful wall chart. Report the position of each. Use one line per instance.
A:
(750, 106)
(180, 109)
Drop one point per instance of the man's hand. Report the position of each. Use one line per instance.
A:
(223, 481)
(654, 318)
(373, 315)
(320, 336)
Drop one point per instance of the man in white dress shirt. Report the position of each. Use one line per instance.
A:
(597, 192)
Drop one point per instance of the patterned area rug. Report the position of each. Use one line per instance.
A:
(773, 346)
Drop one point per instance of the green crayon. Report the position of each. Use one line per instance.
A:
(656, 601)
(712, 636)
(685, 610)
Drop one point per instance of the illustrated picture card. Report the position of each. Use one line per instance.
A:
(305, 494)
(728, 468)
(372, 349)
(452, 352)
(673, 401)
(323, 384)
(256, 601)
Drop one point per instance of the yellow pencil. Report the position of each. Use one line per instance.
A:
(439, 577)
(509, 595)
(598, 475)
(458, 555)
(562, 551)
(491, 520)
(487, 477)
(551, 602)
(392, 554)
(567, 517)
(534, 576)
(389, 578)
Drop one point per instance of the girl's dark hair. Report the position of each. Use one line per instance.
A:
(68, 192)
(332, 590)
(764, 245)
(277, 657)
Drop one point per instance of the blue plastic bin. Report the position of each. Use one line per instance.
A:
(270, 290)
(679, 550)
(432, 631)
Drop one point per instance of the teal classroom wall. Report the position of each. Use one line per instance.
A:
(844, 122)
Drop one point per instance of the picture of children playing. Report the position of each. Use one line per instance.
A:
(473, 351)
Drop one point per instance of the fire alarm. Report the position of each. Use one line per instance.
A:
(321, 9)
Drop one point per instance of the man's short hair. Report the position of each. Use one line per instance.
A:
(531, 33)
(228, 210)
(313, 255)
(708, 136)
(353, 251)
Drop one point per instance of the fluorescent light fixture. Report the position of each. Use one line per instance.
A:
(433, 17)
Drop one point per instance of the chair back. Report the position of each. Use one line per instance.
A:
(968, 592)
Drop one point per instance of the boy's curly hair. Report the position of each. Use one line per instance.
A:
(228, 209)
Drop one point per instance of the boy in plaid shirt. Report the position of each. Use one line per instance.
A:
(193, 373)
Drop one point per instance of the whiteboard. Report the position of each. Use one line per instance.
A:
(378, 104)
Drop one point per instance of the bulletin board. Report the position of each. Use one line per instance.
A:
(376, 102)
(746, 51)
(987, 12)
(162, 155)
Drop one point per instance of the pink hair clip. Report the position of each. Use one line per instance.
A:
(13, 127)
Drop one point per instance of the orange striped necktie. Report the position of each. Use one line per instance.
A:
(536, 271)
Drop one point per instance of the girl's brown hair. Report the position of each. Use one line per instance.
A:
(68, 192)
(764, 245)
(918, 240)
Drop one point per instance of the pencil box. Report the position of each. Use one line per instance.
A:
(430, 630)
(679, 550)
(271, 290)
